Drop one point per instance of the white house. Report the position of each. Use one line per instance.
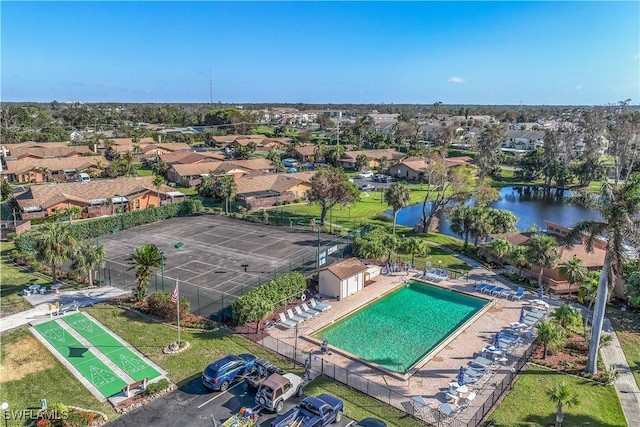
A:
(342, 278)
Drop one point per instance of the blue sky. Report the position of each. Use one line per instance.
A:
(322, 52)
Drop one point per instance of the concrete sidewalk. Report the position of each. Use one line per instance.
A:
(626, 386)
(40, 311)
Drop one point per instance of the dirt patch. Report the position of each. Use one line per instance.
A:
(495, 310)
(438, 359)
(24, 356)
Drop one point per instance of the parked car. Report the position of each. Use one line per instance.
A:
(370, 422)
(382, 178)
(367, 187)
(276, 389)
(291, 170)
(365, 175)
(220, 374)
(290, 163)
(313, 411)
(262, 370)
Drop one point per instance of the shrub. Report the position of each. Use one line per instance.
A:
(297, 200)
(278, 292)
(11, 236)
(156, 387)
(35, 266)
(77, 418)
(43, 423)
(287, 202)
(159, 304)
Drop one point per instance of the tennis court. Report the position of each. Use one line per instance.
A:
(220, 258)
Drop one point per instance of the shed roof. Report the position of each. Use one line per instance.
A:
(346, 268)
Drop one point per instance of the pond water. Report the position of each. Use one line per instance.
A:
(531, 207)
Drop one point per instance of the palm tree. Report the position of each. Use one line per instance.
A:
(397, 196)
(619, 206)
(361, 162)
(518, 256)
(573, 270)
(500, 247)
(73, 212)
(543, 251)
(87, 257)
(259, 309)
(587, 293)
(632, 288)
(144, 259)
(416, 246)
(383, 164)
(461, 222)
(54, 245)
(561, 396)
(549, 333)
(128, 159)
(158, 180)
(566, 316)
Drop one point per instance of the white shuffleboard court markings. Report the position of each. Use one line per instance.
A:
(55, 334)
(83, 324)
(132, 365)
(101, 377)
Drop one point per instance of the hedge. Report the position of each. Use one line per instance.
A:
(279, 292)
(100, 226)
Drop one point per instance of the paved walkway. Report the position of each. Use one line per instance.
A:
(41, 303)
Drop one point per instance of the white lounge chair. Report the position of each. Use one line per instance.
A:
(489, 289)
(293, 317)
(447, 409)
(519, 294)
(285, 321)
(481, 287)
(466, 401)
(316, 305)
(497, 291)
(420, 406)
(309, 310)
(301, 313)
(506, 293)
(484, 361)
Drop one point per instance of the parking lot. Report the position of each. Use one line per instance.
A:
(376, 185)
(192, 406)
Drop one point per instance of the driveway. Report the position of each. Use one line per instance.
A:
(191, 406)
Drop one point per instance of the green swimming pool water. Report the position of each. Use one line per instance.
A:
(401, 328)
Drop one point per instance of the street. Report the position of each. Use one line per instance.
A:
(191, 405)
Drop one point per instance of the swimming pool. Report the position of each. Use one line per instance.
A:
(400, 329)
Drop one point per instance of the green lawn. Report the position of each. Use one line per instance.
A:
(357, 405)
(627, 326)
(528, 405)
(12, 281)
(31, 373)
(142, 170)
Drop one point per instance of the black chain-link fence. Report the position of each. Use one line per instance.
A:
(426, 414)
(216, 304)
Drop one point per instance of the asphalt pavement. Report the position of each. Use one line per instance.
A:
(192, 406)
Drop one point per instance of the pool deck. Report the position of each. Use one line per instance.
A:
(430, 381)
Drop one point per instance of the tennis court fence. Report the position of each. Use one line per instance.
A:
(216, 304)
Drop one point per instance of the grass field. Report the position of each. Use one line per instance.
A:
(30, 372)
(528, 405)
(357, 405)
(12, 281)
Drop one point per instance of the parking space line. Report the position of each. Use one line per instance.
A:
(220, 394)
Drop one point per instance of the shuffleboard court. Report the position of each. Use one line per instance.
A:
(81, 358)
(111, 347)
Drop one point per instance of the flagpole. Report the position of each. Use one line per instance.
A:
(178, 311)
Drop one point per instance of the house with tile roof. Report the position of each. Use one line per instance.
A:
(551, 277)
(348, 160)
(42, 150)
(412, 168)
(190, 157)
(95, 198)
(190, 174)
(304, 153)
(261, 190)
(59, 168)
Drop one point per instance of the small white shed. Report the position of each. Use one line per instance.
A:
(342, 278)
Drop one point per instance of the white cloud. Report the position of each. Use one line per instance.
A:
(455, 79)
(579, 87)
